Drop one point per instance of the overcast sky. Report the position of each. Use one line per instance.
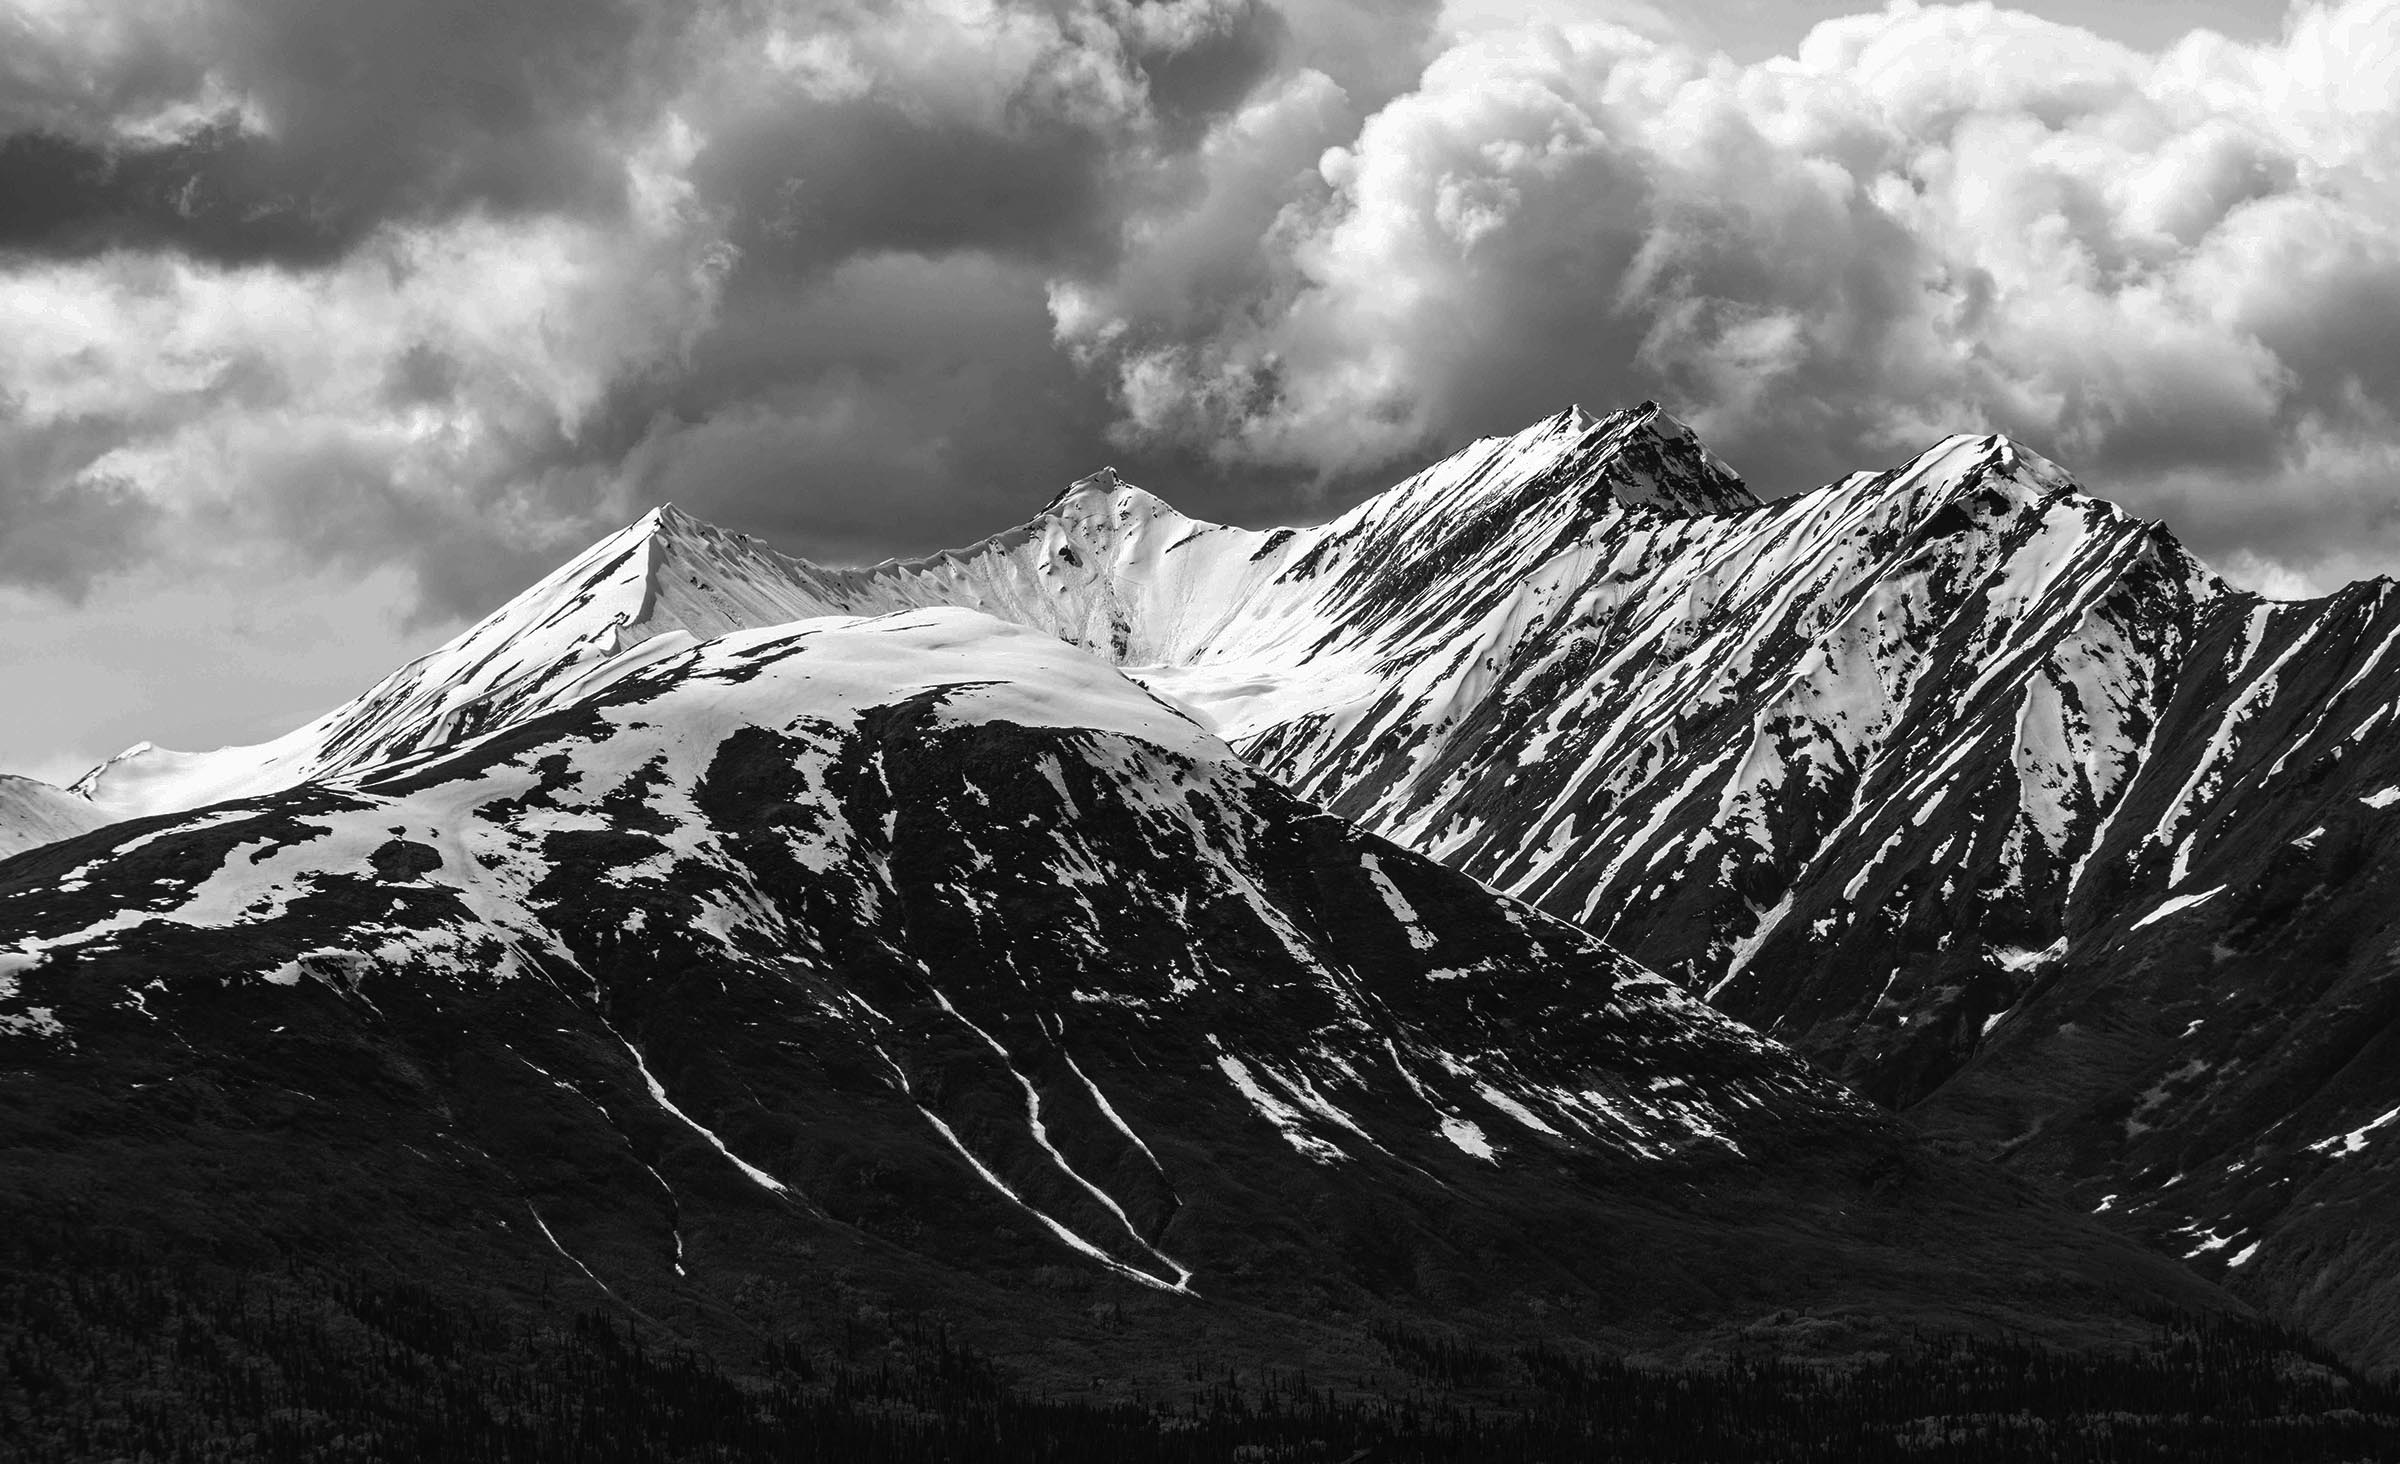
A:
(327, 324)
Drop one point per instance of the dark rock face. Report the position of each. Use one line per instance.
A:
(2217, 1069)
(822, 968)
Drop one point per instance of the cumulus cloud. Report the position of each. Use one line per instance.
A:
(2179, 273)
(900, 184)
(394, 405)
(453, 286)
(448, 288)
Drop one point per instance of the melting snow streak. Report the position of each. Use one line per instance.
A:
(562, 1250)
(1055, 1228)
(2180, 902)
(658, 1091)
(1041, 1136)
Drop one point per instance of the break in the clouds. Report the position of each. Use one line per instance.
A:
(443, 288)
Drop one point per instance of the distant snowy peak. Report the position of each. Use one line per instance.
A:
(661, 584)
(1566, 472)
(1105, 565)
(1647, 458)
(1642, 457)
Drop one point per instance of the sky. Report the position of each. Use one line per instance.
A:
(326, 325)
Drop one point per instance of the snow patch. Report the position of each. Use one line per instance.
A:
(32, 1022)
(1468, 1138)
(2018, 958)
(658, 1093)
(2177, 905)
(1398, 904)
(2342, 1146)
(1288, 1120)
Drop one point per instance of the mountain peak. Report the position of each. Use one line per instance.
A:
(1573, 419)
(1961, 455)
(1651, 458)
(668, 521)
(1106, 483)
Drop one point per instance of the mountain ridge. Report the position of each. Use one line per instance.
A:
(669, 571)
(1903, 771)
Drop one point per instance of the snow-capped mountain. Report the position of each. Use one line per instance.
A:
(1201, 611)
(924, 950)
(1583, 664)
(1899, 770)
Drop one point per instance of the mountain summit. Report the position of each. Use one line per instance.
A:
(1105, 565)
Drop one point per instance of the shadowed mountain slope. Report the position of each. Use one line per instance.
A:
(923, 960)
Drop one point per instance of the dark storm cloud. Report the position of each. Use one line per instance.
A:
(62, 538)
(881, 375)
(422, 375)
(1191, 85)
(330, 120)
(811, 186)
(1065, 136)
(212, 194)
(800, 279)
(902, 403)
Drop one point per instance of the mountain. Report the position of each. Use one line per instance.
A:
(33, 813)
(1907, 771)
(922, 963)
(1200, 611)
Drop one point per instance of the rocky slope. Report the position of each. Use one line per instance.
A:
(924, 962)
(2215, 1069)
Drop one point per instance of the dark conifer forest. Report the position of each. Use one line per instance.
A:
(119, 1356)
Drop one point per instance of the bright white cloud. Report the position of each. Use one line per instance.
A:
(413, 382)
(2179, 272)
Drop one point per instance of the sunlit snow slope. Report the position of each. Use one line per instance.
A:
(33, 813)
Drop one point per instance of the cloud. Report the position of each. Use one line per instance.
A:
(62, 539)
(899, 403)
(454, 286)
(416, 401)
(288, 131)
(2178, 273)
(443, 290)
